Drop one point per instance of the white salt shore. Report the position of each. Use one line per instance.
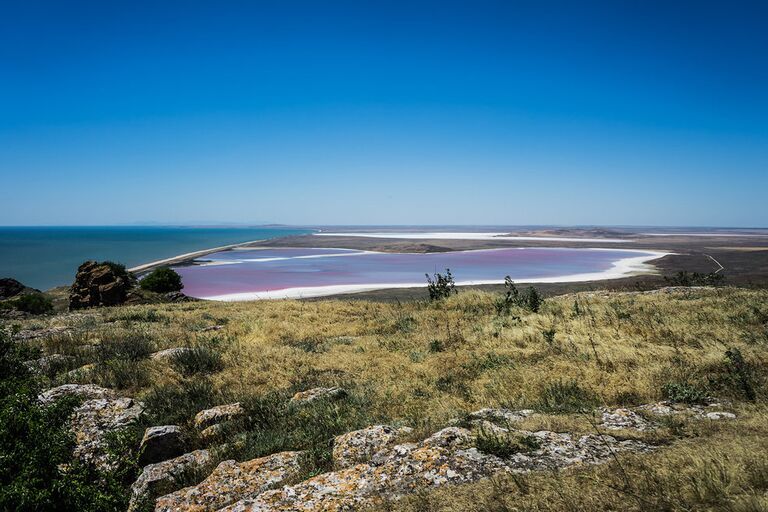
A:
(468, 236)
(624, 267)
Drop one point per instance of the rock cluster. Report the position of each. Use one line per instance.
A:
(98, 284)
(362, 445)
(232, 481)
(211, 422)
(94, 419)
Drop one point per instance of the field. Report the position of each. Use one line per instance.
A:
(422, 363)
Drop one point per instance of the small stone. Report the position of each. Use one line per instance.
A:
(218, 414)
(165, 477)
(232, 481)
(305, 397)
(160, 443)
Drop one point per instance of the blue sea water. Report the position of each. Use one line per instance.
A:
(45, 257)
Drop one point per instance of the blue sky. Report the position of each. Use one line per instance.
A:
(645, 113)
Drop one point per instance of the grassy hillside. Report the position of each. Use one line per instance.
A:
(421, 364)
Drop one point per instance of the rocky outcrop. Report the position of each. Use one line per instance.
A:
(98, 284)
(232, 481)
(309, 396)
(622, 419)
(169, 476)
(361, 445)
(502, 416)
(448, 457)
(10, 287)
(85, 391)
(712, 410)
(92, 421)
(160, 443)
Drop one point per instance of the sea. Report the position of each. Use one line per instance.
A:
(46, 257)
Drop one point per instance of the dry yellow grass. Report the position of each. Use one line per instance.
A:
(424, 363)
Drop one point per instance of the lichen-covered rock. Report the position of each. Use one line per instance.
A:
(218, 414)
(310, 395)
(170, 353)
(617, 419)
(169, 476)
(442, 459)
(94, 419)
(50, 364)
(160, 443)
(667, 408)
(504, 416)
(232, 481)
(361, 445)
(86, 391)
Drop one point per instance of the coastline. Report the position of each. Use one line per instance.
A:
(186, 257)
(624, 267)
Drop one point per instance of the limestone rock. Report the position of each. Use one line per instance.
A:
(94, 419)
(98, 284)
(86, 391)
(160, 443)
(168, 476)
(305, 397)
(218, 414)
(616, 419)
(361, 445)
(232, 481)
(720, 415)
(50, 364)
(503, 416)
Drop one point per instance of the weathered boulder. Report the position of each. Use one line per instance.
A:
(218, 414)
(169, 476)
(232, 481)
(160, 443)
(361, 445)
(98, 284)
(709, 411)
(86, 391)
(310, 395)
(94, 419)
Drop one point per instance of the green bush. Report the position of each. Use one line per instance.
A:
(530, 299)
(35, 303)
(441, 286)
(162, 280)
(685, 392)
(35, 444)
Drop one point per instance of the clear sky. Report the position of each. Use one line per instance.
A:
(323, 112)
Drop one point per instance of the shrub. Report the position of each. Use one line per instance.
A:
(505, 445)
(685, 278)
(178, 403)
(740, 373)
(35, 303)
(200, 359)
(530, 299)
(566, 397)
(162, 280)
(35, 442)
(685, 392)
(441, 286)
